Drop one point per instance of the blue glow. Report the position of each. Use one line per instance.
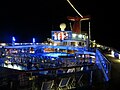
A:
(102, 63)
(33, 40)
(13, 39)
(55, 54)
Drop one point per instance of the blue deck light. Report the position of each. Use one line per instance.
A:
(33, 40)
(13, 39)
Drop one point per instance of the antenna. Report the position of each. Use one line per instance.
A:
(71, 26)
(74, 8)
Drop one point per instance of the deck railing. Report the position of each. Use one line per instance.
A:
(103, 64)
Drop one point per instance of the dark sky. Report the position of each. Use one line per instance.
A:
(26, 20)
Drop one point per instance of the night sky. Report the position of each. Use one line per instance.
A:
(26, 20)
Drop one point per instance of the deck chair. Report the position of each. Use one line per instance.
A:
(72, 83)
(79, 82)
(84, 80)
(47, 85)
(64, 83)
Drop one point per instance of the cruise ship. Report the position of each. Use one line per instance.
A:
(67, 60)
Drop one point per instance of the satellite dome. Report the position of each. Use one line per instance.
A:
(62, 26)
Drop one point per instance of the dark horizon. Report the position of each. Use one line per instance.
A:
(38, 19)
